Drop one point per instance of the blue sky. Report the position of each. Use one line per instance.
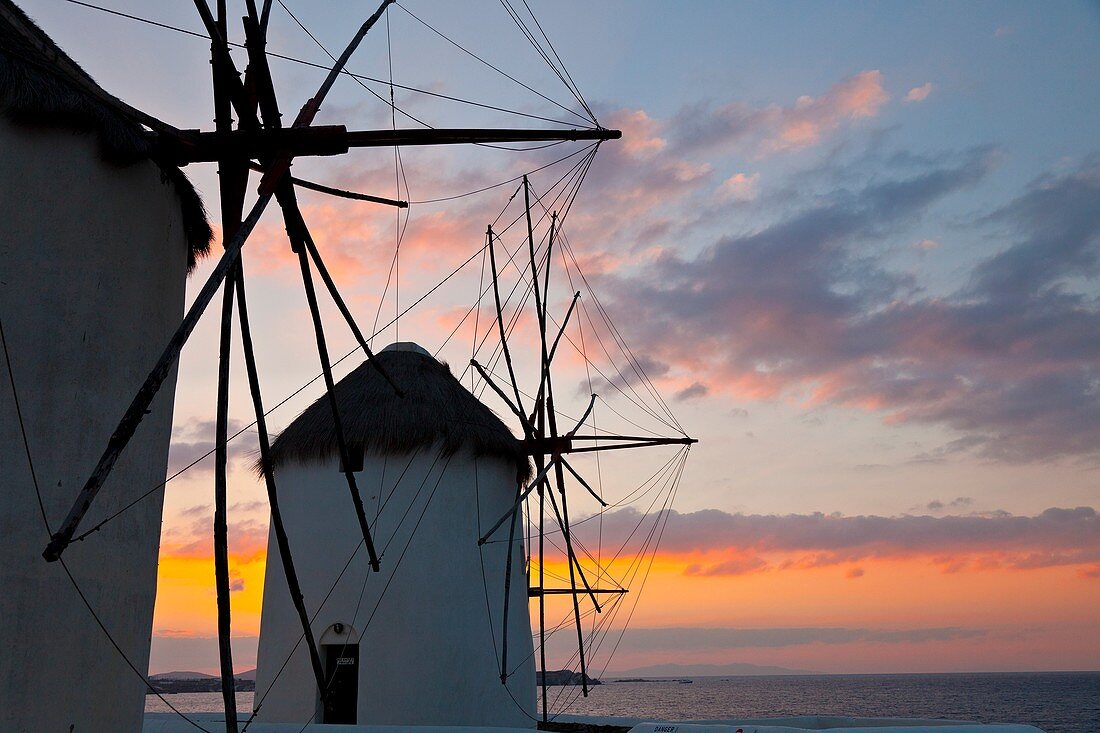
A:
(858, 241)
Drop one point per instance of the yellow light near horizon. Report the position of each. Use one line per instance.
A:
(187, 601)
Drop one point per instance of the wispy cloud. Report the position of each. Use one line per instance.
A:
(775, 128)
(193, 439)
(808, 302)
(247, 539)
(749, 543)
(686, 639)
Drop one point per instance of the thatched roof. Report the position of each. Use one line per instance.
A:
(34, 90)
(435, 410)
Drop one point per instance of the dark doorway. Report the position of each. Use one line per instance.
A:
(342, 678)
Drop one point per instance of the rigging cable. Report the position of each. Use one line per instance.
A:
(538, 48)
(315, 65)
(572, 84)
(637, 368)
(398, 173)
(491, 66)
(510, 260)
(596, 443)
(359, 79)
(664, 513)
(84, 535)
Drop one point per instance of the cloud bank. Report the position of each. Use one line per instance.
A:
(748, 543)
(810, 305)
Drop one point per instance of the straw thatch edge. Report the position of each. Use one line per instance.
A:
(33, 95)
(436, 412)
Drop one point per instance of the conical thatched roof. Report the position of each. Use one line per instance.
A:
(36, 90)
(435, 410)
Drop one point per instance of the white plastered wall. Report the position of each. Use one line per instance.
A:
(427, 654)
(92, 273)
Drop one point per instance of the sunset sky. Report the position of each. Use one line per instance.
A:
(855, 246)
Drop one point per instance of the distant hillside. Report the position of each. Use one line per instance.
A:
(172, 682)
(704, 670)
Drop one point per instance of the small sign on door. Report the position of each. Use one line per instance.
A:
(345, 660)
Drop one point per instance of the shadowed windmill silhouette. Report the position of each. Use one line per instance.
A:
(548, 446)
(259, 142)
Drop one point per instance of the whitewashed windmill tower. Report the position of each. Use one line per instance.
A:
(413, 643)
(97, 242)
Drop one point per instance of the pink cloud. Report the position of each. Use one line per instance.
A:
(739, 187)
(640, 132)
(919, 94)
(776, 128)
(807, 306)
(247, 538)
(855, 98)
(734, 566)
(1054, 538)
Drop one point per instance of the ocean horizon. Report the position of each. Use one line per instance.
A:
(1055, 702)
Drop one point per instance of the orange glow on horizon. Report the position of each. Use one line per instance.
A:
(186, 601)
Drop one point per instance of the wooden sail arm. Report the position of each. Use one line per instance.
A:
(323, 140)
(531, 486)
(536, 592)
(139, 407)
(554, 348)
(587, 412)
(571, 556)
(564, 323)
(339, 192)
(453, 136)
(564, 444)
(528, 429)
(231, 85)
(580, 479)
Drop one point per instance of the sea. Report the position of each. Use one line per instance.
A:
(1055, 702)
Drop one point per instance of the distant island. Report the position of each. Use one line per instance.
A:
(564, 677)
(703, 670)
(168, 683)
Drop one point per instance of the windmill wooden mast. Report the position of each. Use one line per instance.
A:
(548, 446)
(259, 142)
